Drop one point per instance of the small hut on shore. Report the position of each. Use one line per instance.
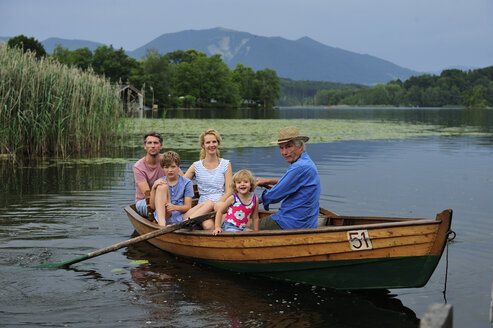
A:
(133, 99)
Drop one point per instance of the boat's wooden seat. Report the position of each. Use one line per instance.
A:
(334, 221)
(150, 211)
(322, 221)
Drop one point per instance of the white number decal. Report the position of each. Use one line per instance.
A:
(359, 240)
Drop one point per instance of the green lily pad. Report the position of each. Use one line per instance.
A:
(139, 262)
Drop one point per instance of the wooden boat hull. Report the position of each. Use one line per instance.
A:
(346, 253)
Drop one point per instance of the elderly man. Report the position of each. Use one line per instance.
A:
(298, 190)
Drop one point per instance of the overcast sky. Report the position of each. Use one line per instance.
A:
(423, 35)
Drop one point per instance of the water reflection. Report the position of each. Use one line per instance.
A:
(173, 288)
(214, 113)
(52, 211)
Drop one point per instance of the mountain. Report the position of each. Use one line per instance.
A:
(51, 43)
(302, 59)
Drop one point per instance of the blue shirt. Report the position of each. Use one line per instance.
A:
(299, 192)
(183, 188)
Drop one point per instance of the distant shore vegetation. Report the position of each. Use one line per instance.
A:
(453, 87)
(471, 89)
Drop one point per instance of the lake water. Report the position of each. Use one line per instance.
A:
(54, 211)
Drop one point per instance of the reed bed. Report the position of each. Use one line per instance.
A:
(49, 109)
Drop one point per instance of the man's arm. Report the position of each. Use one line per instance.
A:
(262, 182)
(287, 185)
(143, 187)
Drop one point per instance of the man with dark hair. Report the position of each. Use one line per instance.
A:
(298, 190)
(147, 169)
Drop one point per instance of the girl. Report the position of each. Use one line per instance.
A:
(240, 206)
(213, 176)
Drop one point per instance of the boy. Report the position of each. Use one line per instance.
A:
(171, 196)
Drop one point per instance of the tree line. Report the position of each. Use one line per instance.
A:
(176, 79)
(191, 79)
(302, 93)
(453, 87)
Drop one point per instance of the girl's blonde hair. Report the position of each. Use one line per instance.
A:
(243, 174)
(202, 141)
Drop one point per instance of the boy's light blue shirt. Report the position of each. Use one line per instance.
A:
(183, 188)
(299, 192)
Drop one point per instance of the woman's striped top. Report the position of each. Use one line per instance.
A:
(210, 183)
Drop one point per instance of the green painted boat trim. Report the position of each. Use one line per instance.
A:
(378, 273)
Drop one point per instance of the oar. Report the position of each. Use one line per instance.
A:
(138, 239)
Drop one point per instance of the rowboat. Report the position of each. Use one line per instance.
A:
(343, 252)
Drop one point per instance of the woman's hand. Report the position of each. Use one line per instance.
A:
(217, 231)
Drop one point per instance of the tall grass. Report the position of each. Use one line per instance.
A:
(47, 108)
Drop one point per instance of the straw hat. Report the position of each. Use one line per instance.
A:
(289, 133)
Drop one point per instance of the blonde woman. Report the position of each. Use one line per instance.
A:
(213, 176)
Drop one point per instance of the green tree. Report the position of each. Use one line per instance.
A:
(432, 97)
(180, 56)
(81, 58)
(422, 81)
(206, 79)
(27, 44)
(62, 55)
(114, 64)
(489, 93)
(415, 96)
(379, 95)
(189, 75)
(157, 78)
(185, 80)
(395, 93)
(244, 77)
(220, 84)
(454, 77)
(267, 87)
(476, 97)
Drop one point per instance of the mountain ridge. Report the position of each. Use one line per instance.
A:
(301, 59)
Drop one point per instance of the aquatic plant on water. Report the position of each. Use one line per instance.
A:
(183, 134)
(47, 108)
